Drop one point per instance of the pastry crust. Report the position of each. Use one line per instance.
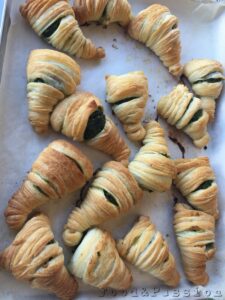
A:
(181, 109)
(97, 262)
(60, 169)
(114, 191)
(128, 95)
(145, 247)
(152, 166)
(51, 76)
(103, 11)
(195, 231)
(54, 20)
(196, 182)
(35, 256)
(206, 78)
(157, 28)
(71, 116)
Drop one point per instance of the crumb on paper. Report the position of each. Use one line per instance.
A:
(114, 40)
(115, 46)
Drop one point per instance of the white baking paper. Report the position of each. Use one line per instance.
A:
(202, 36)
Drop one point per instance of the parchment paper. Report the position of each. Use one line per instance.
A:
(202, 34)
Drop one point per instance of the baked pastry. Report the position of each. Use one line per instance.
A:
(195, 232)
(196, 182)
(128, 95)
(51, 76)
(157, 28)
(81, 118)
(103, 11)
(34, 256)
(145, 247)
(54, 21)
(97, 262)
(182, 109)
(206, 78)
(60, 169)
(113, 191)
(152, 166)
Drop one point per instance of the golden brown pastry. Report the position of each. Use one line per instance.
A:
(206, 78)
(51, 76)
(34, 256)
(181, 109)
(152, 166)
(145, 247)
(196, 182)
(60, 169)
(114, 191)
(97, 262)
(158, 29)
(128, 95)
(195, 232)
(54, 21)
(81, 118)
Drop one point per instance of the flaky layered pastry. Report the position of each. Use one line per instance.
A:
(182, 109)
(54, 21)
(145, 247)
(128, 95)
(60, 169)
(81, 118)
(113, 191)
(195, 232)
(51, 76)
(97, 262)
(103, 11)
(152, 166)
(36, 257)
(157, 28)
(196, 182)
(206, 78)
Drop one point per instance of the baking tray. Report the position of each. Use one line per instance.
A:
(202, 27)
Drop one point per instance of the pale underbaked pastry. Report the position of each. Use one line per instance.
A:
(196, 182)
(113, 191)
(36, 257)
(145, 247)
(103, 11)
(128, 95)
(195, 232)
(152, 166)
(97, 262)
(206, 78)
(60, 169)
(54, 21)
(158, 29)
(81, 118)
(182, 109)
(51, 76)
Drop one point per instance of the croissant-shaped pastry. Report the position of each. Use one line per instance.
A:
(97, 262)
(35, 256)
(128, 95)
(81, 118)
(54, 21)
(59, 170)
(158, 29)
(195, 232)
(181, 109)
(103, 11)
(51, 76)
(152, 166)
(196, 182)
(206, 78)
(146, 248)
(113, 191)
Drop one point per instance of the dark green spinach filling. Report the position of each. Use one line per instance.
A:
(110, 198)
(95, 125)
(39, 80)
(204, 185)
(209, 246)
(75, 162)
(209, 80)
(196, 116)
(51, 29)
(124, 100)
(40, 190)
